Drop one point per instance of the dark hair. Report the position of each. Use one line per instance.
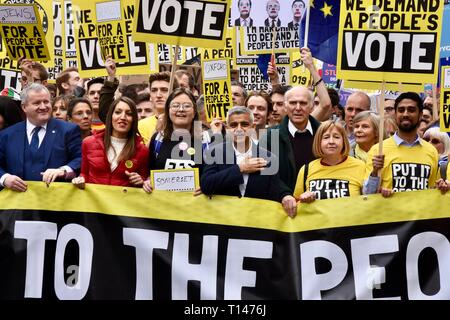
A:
(182, 72)
(426, 107)
(145, 96)
(280, 90)
(409, 95)
(94, 81)
(250, 1)
(168, 124)
(63, 78)
(43, 74)
(10, 111)
(73, 103)
(159, 76)
(334, 97)
(131, 90)
(239, 84)
(304, 5)
(129, 149)
(263, 94)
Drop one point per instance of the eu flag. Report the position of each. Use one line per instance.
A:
(323, 29)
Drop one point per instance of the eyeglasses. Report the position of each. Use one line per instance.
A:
(432, 141)
(177, 106)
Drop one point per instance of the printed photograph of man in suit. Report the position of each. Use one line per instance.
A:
(245, 6)
(272, 8)
(39, 148)
(298, 11)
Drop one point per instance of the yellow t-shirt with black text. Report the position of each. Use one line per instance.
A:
(406, 168)
(328, 182)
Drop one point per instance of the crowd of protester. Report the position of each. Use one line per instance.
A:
(291, 144)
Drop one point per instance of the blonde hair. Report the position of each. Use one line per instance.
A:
(324, 127)
(435, 132)
(374, 120)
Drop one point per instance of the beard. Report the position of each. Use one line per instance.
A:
(408, 128)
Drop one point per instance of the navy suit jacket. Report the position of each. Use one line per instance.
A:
(62, 146)
(225, 178)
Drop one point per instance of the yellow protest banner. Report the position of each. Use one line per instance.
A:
(391, 41)
(142, 57)
(216, 84)
(111, 30)
(22, 32)
(445, 100)
(187, 23)
(300, 76)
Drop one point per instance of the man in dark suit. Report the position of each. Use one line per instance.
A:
(298, 10)
(245, 6)
(238, 167)
(291, 141)
(272, 8)
(39, 148)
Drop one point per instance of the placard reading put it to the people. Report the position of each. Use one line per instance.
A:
(445, 99)
(175, 180)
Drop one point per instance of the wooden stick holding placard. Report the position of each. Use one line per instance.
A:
(435, 105)
(174, 66)
(400, 87)
(381, 126)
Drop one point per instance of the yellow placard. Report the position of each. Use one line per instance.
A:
(216, 84)
(389, 85)
(445, 100)
(141, 56)
(22, 33)
(70, 48)
(186, 23)
(300, 76)
(111, 30)
(181, 180)
(389, 41)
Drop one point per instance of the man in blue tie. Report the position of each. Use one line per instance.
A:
(39, 148)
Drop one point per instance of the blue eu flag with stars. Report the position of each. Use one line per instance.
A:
(323, 29)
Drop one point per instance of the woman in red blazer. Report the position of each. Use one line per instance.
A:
(115, 155)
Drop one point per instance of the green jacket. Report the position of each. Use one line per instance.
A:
(285, 153)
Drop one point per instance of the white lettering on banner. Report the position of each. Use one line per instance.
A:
(145, 241)
(235, 276)
(441, 246)
(410, 52)
(410, 176)
(205, 272)
(36, 233)
(85, 243)
(312, 282)
(164, 17)
(368, 277)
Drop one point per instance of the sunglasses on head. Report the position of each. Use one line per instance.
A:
(432, 141)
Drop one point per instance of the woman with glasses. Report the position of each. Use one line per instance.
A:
(80, 112)
(366, 130)
(180, 144)
(60, 106)
(440, 140)
(333, 174)
(115, 155)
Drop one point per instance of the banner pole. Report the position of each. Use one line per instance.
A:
(305, 43)
(381, 126)
(174, 65)
(435, 106)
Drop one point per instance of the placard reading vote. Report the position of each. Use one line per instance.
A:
(175, 180)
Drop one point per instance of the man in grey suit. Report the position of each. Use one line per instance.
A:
(298, 11)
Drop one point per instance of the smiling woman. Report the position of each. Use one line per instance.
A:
(115, 155)
(334, 174)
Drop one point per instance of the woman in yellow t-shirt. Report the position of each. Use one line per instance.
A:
(334, 174)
